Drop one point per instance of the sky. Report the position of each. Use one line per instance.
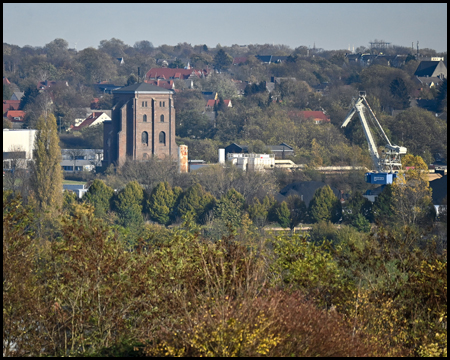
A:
(328, 26)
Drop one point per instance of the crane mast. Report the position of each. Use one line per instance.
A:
(390, 161)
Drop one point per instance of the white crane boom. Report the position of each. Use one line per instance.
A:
(391, 160)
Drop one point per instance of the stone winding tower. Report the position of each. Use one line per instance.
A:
(142, 125)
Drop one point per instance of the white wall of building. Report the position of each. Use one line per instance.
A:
(20, 138)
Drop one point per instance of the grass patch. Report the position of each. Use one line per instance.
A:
(73, 182)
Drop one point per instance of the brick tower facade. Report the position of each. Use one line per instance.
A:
(142, 125)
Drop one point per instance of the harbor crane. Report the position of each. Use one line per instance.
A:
(386, 166)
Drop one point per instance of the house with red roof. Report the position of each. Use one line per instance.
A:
(10, 105)
(97, 117)
(318, 116)
(210, 104)
(175, 74)
(240, 60)
(166, 84)
(15, 115)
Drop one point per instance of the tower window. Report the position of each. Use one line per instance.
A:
(162, 118)
(145, 138)
(162, 137)
(160, 104)
(164, 104)
(145, 118)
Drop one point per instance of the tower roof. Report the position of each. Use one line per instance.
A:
(143, 88)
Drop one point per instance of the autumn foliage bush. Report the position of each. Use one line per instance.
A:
(87, 292)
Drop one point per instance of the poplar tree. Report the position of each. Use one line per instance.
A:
(47, 175)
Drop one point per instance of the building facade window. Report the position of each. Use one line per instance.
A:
(145, 138)
(162, 118)
(144, 104)
(145, 118)
(162, 137)
(164, 104)
(160, 104)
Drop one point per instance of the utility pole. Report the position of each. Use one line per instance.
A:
(59, 125)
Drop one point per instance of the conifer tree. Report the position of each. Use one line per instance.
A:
(283, 215)
(230, 207)
(129, 205)
(161, 202)
(99, 195)
(197, 201)
(47, 175)
(297, 209)
(325, 206)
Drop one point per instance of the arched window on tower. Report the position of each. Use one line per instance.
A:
(162, 137)
(145, 118)
(162, 118)
(145, 138)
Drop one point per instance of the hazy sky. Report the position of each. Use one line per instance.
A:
(329, 26)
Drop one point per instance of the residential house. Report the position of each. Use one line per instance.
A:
(367, 59)
(17, 95)
(15, 115)
(10, 105)
(270, 86)
(321, 88)
(425, 81)
(97, 117)
(236, 149)
(43, 85)
(210, 104)
(398, 61)
(210, 95)
(75, 160)
(353, 58)
(105, 88)
(120, 60)
(431, 69)
(439, 193)
(319, 117)
(79, 190)
(175, 74)
(166, 84)
(304, 190)
(271, 59)
(281, 151)
(240, 60)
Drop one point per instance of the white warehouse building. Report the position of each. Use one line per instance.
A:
(18, 144)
